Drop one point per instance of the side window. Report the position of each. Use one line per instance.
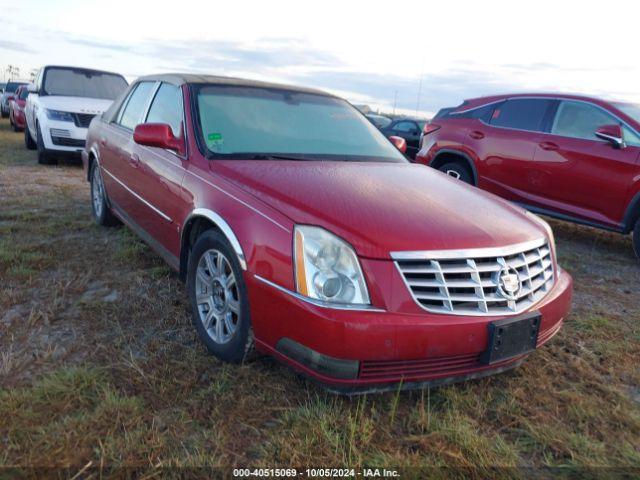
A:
(167, 108)
(131, 115)
(522, 114)
(630, 137)
(405, 127)
(580, 120)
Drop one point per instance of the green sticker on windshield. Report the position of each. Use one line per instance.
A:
(215, 141)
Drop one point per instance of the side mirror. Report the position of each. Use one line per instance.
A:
(399, 142)
(612, 134)
(158, 135)
(31, 88)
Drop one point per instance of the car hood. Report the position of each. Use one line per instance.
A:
(383, 207)
(93, 106)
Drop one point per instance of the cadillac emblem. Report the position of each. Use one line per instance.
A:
(509, 284)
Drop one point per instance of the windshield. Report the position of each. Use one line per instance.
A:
(12, 87)
(244, 121)
(72, 82)
(631, 109)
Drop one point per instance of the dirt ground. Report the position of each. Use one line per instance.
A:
(101, 368)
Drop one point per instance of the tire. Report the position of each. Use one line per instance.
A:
(99, 203)
(5, 114)
(219, 301)
(28, 141)
(457, 170)
(636, 238)
(44, 157)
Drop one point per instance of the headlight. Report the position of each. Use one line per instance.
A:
(547, 227)
(327, 268)
(58, 115)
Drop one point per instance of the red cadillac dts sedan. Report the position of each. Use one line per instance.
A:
(300, 228)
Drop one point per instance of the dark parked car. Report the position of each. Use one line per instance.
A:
(409, 129)
(300, 229)
(567, 156)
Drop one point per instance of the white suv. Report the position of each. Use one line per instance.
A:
(61, 104)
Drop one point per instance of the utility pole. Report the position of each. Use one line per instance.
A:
(395, 100)
(420, 88)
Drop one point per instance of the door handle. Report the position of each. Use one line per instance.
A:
(103, 141)
(134, 160)
(476, 134)
(549, 146)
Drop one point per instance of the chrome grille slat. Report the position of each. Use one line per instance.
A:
(442, 282)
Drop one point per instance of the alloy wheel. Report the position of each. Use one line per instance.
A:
(217, 296)
(97, 192)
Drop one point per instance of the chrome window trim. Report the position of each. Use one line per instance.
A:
(470, 252)
(561, 99)
(223, 226)
(159, 212)
(320, 303)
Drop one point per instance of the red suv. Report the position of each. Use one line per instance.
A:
(299, 227)
(566, 156)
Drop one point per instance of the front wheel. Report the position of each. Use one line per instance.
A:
(28, 141)
(218, 297)
(44, 156)
(99, 206)
(457, 170)
(636, 238)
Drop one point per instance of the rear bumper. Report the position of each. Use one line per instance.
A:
(386, 347)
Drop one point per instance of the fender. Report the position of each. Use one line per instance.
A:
(474, 170)
(632, 214)
(221, 224)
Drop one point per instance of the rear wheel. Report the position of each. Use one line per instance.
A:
(636, 238)
(44, 156)
(458, 170)
(99, 205)
(5, 114)
(28, 141)
(218, 297)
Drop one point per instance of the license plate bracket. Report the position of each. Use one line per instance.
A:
(512, 337)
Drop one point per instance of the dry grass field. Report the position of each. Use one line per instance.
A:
(100, 368)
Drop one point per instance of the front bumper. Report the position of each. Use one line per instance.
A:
(62, 136)
(414, 348)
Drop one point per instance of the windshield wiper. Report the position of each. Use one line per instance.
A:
(256, 156)
(265, 156)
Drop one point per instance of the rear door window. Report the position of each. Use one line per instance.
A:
(167, 108)
(405, 127)
(132, 113)
(521, 114)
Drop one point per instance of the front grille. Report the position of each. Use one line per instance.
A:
(473, 282)
(82, 120)
(67, 142)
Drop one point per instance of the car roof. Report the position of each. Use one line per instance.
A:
(179, 79)
(74, 67)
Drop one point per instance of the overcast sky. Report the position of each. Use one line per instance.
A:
(433, 54)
